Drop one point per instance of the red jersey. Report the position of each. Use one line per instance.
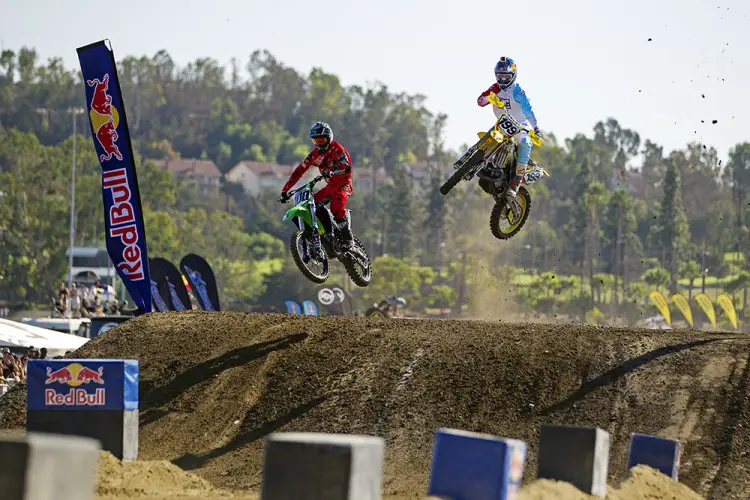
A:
(335, 159)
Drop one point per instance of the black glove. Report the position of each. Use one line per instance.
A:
(284, 197)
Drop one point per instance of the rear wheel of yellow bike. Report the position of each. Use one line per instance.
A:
(502, 223)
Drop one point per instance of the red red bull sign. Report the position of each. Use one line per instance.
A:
(82, 384)
(123, 214)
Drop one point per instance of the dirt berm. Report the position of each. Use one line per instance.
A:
(214, 384)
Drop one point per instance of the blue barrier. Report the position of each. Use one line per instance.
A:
(472, 466)
(662, 454)
(96, 398)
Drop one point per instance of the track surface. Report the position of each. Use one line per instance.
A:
(214, 384)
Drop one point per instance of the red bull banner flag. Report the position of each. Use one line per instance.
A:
(682, 304)
(123, 215)
(707, 306)
(726, 304)
(661, 304)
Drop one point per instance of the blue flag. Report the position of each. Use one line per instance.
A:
(311, 309)
(123, 214)
(292, 307)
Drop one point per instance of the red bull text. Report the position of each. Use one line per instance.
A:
(75, 375)
(121, 214)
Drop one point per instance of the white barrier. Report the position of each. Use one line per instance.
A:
(44, 466)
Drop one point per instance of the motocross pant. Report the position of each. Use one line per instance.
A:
(339, 196)
(523, 142)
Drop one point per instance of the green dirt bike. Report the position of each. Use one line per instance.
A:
(317, 240)
(493, 160)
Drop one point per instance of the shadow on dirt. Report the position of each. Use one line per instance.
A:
(201, 372)
(621, 370)
(189, 461)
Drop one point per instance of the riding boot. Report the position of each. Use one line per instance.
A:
(345, 231)
(513, 188)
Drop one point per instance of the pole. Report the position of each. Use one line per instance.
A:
(72, 206)
(703, 269)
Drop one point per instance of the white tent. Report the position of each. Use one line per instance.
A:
(14, 334)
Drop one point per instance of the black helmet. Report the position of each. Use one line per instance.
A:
(321, 130)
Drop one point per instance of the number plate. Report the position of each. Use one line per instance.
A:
(509, 125)
(533, 175)
(301, 196)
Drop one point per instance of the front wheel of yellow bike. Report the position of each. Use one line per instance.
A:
(502, 223)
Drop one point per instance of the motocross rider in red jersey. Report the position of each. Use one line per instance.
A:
(334, 162)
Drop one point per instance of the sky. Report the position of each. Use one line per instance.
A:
(580, 61)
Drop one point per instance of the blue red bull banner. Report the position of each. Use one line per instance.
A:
(311, 309)
(82, 384)
(123, 214)
(292, 307)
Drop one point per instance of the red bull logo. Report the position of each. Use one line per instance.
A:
(104, 118)
(74, 375)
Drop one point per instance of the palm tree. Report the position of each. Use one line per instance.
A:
(692, 271)
(656, 277)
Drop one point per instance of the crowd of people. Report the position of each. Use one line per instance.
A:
(13, 367)
(82, 301)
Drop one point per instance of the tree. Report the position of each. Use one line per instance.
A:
(34, 214)
(434, 226)
(576, 228)
(737, 174)
(400, 205)
(692, 271)
(672, 224)
(593, 198)
(657, 277)
(619, 225)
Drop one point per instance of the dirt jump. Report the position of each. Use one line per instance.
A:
(214, 384)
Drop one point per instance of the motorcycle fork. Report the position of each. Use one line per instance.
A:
(305, 250)
(315, 232)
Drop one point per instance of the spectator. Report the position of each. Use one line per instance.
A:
(19, 368)
(75, 301)
(61, 302)
(7, 363)
(85, 301)
(43, 353)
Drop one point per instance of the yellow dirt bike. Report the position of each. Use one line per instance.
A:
(493, 160)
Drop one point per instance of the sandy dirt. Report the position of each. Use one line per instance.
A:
(214, 384)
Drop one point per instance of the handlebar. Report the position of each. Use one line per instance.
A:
(291, 193)
(537, 139)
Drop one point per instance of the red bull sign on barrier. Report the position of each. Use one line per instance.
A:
(123, 215)
(82, 384)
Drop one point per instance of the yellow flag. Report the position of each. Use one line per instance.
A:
(661, 304)
(682, 304)
(726, 303)
(708, 307)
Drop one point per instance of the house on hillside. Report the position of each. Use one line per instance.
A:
(420, 173)
(204, 172)
(256, 177)
(364, 180)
